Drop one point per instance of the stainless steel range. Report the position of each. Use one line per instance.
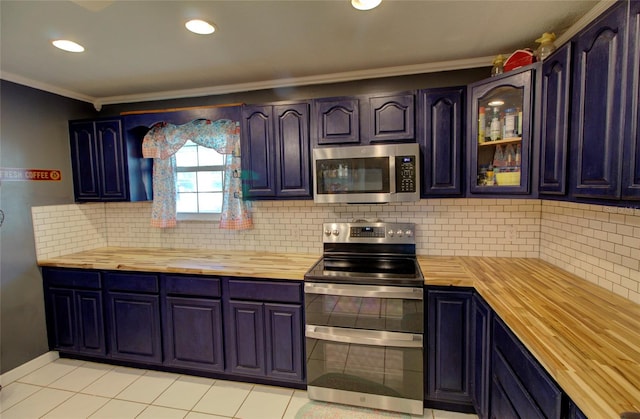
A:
(364, 313)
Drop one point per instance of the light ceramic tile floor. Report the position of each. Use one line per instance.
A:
(69, 389)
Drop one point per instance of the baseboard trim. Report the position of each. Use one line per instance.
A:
(27, 368)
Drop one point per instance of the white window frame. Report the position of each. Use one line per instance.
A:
(198, 216)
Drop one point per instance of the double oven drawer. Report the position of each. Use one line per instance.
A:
(365, 345)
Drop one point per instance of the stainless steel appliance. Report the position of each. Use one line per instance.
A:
(364, 312)
(367, 174)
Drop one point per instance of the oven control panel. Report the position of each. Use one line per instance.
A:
(369, 232)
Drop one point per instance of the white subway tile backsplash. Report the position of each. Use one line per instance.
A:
(598, 243)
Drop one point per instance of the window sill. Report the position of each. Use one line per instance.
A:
(188, 216)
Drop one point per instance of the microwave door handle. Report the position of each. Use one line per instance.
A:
(392, 174)
(364, 337)
(405, 293)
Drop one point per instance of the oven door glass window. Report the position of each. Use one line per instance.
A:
(353, 176)
(381, 370)
(394, 309)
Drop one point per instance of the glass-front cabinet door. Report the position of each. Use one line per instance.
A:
(500, 139)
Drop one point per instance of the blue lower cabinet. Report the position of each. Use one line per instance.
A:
(520, 379)
(192, 322)
(73, 304)
(245, 338)
(264, 335)
(481, 315)
(283, 326)
(192, 333)
(448, 349)
(133, 317)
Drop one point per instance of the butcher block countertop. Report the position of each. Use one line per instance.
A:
(587, 338)
(191, 261)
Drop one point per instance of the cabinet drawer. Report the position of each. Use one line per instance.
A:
(131, 282)
(513, 389)
(283, 292)
(201, 286)
(534, 379)
(69, 278)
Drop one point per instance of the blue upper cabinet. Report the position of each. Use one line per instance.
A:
(258, 152)
(336, 121)
(631, 155)
(441, 128)
(275, 151)
(554, 120)
(388, 117)
(366, 119)
(501, 137)
(106, 165)
(597, 106)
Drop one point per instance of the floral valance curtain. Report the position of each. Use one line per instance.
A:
(162, 142)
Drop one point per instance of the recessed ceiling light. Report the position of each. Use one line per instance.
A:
(365, 4)
(67, 45)
(200, 27)
(496, 102)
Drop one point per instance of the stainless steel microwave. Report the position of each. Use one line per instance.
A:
(367, 174)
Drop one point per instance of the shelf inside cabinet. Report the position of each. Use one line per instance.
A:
(503, 141)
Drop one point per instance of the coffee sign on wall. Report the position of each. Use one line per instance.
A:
(8, 174)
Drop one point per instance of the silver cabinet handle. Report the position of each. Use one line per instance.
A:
(364, 337)
(373, 291)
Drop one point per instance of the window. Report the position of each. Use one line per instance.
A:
(200, 176)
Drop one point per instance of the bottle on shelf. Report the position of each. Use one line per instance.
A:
(498, 65)
(495, 125)
(510, 123)
(546, 45)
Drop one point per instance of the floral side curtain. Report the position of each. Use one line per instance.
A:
(162, 142)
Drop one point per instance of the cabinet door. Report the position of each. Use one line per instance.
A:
(501, 137)
(556, 79)
(631, 155)
(91, 338)
(596, 132)
(258, 152)
(245, 338)
(111, 161)
(84, 161)
(292, 162)
(389, 118)
(61, 319)
(441, 121)
(283, 327)
(480, 355)
(337, 121)
(524, 382)
(133, 324)
(193, 333)
(448, 346)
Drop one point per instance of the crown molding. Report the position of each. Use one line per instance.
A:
(302, 81)
(25, 81)
(596, 11)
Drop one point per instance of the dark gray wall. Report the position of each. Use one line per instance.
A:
(33, 134)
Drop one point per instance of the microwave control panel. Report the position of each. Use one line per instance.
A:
(405, 173)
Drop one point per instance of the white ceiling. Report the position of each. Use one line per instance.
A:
(140, 50)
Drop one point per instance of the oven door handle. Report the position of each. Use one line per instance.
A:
(372, 291)
(364, 337)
